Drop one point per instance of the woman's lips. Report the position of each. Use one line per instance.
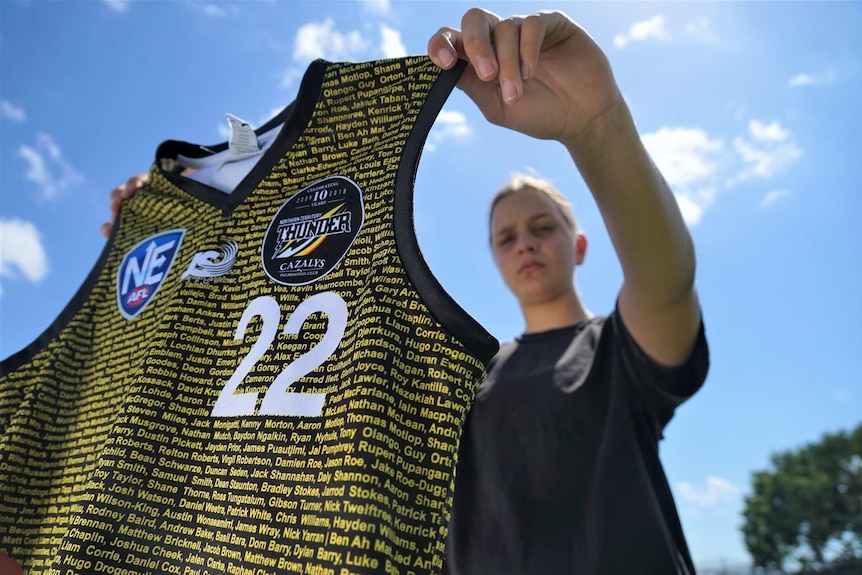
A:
(527, 267)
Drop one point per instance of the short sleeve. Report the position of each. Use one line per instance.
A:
(661, 388)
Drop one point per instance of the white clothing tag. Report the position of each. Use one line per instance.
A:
(243, 140)
(225, 170)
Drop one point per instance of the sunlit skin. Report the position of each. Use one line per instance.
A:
(536, 252)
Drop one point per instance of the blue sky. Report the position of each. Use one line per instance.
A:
(750, 110)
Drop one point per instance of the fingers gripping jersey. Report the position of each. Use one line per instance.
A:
(267, 381)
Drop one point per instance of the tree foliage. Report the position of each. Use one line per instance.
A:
(807, 510)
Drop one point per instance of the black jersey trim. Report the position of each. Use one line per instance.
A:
(295, 118)
(75, 304)
(444, 309)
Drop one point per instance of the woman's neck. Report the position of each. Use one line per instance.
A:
(563, 311)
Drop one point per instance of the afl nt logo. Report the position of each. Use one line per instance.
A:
(312, 231)
(143, 270)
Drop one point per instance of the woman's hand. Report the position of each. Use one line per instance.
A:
(120, 193)
(540, 74)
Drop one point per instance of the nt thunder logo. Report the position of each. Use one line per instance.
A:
(312, 231)
(143, 270)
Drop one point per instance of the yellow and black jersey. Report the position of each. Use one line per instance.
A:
(266, 381)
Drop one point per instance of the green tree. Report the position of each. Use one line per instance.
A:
(807, 509)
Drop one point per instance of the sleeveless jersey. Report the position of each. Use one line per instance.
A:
(267, 381)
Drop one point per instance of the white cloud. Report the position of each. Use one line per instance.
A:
(701, 31)
(640, 31)
(806, 79)
(207, 8)
(450, 125)
(693, 203)
(689, 160)
(843, 394)
(47, 168)
(767, 132)
(773, 196)
(118, 5)
(21, 251)
(38, 168)
(684, 155)
(322, 40)
(803, 80)
(768, 150)
(717, 491)
(12, 112)
(699, 168)
(378, 6)
(390, 44)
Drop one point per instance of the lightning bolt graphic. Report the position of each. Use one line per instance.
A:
(308, 245)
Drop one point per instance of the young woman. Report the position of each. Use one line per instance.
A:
(559, 469)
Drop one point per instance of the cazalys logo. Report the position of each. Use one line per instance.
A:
(312, 231)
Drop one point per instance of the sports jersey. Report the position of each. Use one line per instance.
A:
(266, 381)
(559, 469)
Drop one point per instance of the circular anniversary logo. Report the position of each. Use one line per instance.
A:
(312, 231)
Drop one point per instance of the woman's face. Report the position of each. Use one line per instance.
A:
(533, 247)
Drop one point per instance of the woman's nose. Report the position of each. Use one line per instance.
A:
(526, 243)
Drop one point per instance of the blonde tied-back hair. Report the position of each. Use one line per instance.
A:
(521, 182)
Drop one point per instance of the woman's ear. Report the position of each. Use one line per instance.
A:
(580, 248)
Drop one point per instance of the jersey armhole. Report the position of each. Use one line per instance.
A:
(442, 306)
